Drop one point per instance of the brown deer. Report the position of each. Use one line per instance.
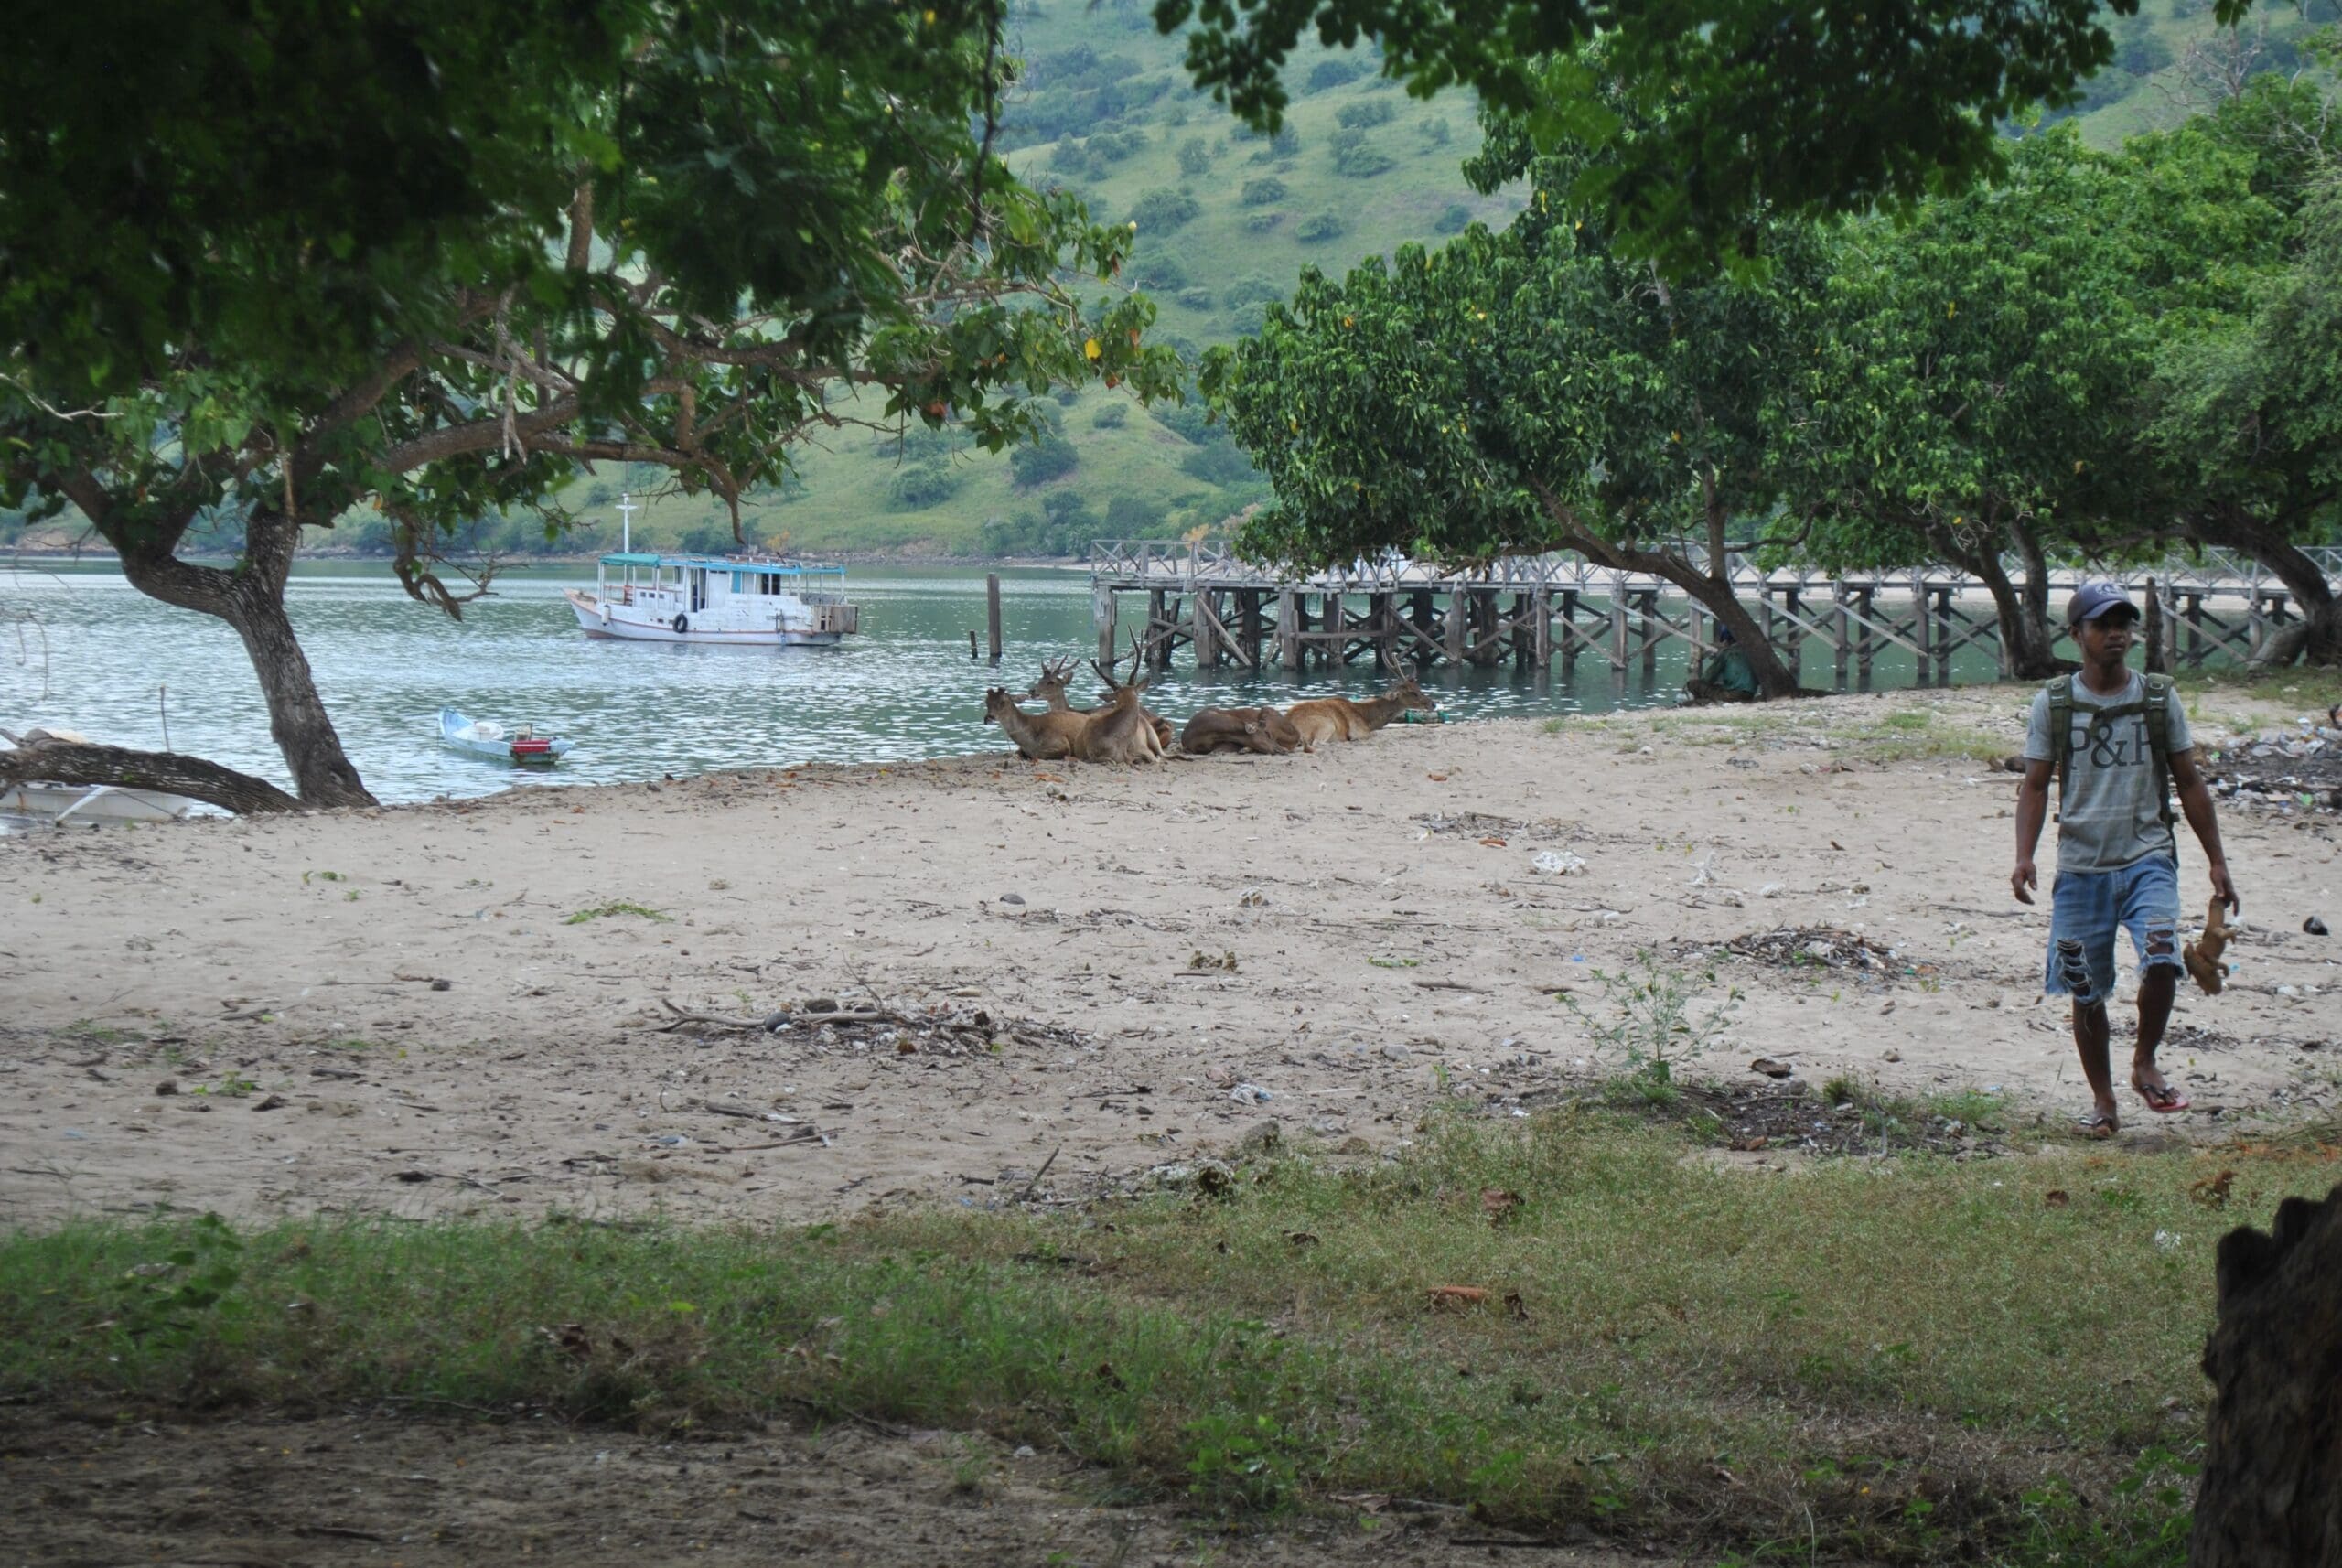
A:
(1044, 738)
(1323, 719)
(1058, 673)
(1263, 730)
(1124, 730)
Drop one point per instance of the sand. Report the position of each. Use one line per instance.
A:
(404, 1010)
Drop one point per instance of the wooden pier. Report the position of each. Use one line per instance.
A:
(1534, 612)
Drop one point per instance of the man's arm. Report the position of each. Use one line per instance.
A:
(2032, 810)
(2195, 804)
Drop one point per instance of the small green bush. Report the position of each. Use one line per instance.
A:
(1163, 209)
(1325, 226)
(1374, 112)
(1263, 192)
(1050, 457)
(1334, 73)
(1113, 416)
(1454, 220)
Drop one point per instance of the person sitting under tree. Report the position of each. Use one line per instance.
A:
(2117, 743)
(1725, 676)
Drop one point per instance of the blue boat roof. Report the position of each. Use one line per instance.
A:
(718, 562)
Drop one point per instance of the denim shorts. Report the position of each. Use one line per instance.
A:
(2086, 907)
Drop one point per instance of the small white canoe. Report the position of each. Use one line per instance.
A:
(92, 803)
(486, 738)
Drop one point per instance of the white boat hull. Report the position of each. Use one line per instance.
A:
(604, 618)
(92, 803)
(492, 742)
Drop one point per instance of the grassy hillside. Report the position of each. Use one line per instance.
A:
(1226, 221)
(2171, 57)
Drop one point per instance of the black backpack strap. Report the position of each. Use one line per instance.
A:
(2060, 689)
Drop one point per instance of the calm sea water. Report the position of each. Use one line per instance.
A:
(81, 650)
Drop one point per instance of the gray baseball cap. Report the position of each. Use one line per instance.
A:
(2097, 598)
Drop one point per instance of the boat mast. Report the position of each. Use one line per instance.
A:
(626, 509)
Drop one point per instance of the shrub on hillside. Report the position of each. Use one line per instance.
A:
(1221, 463)
(1113, 416)
(1358, 116)
(1159, 272)
(1263, 192)
(1162, 210)
(1262, 222)
(1133, 517)
(1334, 73)
(1325, 226)
(1050, 457)
(1194, 158)
(1195, 299)
(1355, 157)
(915, 487)
(1251, 289)
(1454, 220)
(1435, 131)
(2141, 54)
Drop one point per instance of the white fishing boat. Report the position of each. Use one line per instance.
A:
(486, 738)
(91, 804)
(749, 601)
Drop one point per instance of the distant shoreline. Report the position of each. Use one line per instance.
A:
(101, 554)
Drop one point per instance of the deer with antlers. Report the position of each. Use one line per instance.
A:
(1058, 673)
(1118, 731)
(1322, 719)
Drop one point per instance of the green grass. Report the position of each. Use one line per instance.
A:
(1912, 1359)
(617, 906)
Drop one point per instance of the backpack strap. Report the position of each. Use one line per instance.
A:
(2158, 717)
(2060, 689)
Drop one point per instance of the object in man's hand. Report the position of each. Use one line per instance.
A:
(2202, 956)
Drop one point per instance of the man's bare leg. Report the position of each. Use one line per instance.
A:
(2091, 1032)
(2158, 984)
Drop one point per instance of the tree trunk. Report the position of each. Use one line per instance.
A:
(65, 762)
(1712, 593)
(2272, 1494)
(2022, 613)
(250, 597)
(2318, 641)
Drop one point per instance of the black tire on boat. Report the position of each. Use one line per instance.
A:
(682, 625)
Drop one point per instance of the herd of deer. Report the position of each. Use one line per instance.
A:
(1123, 730)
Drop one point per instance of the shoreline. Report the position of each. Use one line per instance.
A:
(1135, 968)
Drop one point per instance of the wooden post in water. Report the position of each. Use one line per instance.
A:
(991, 614)
(1540, 608)
(1102, 616)
(1336, 644)
(1288, 625)
(1842, 625)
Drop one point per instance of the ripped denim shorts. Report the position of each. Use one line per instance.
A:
(2085, 906)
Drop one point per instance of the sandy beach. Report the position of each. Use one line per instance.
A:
(1056, 979)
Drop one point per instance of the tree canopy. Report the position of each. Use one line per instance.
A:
(281, 262)
(2095, 356)
(1735, 108)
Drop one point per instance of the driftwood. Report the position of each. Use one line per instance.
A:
(44, 759)
(2272, 1494)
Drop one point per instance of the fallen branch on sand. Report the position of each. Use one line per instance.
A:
(37, 755)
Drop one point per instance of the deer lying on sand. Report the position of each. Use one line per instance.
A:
(1057, 673)
(1337, 718)
(1263, 730)
(1116, 733)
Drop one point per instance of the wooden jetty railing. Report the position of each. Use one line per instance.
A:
(1535, 610)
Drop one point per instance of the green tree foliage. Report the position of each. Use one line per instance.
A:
(1048, 456)
(1361, 115)
(1319, 228)
(1524, 391)
(1266, 191)
(438, 260)
(1163, 208)
(1734, 108)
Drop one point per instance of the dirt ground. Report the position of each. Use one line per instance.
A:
(1003, 983)
(431, 1493)
(469, 1007)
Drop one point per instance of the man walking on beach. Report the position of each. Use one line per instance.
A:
(2125, 744)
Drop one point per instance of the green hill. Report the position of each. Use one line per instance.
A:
(2173, 60)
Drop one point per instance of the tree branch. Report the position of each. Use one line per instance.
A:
(70, 762)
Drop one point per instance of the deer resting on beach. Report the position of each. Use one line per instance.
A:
(1058, 673)
(1263, 730)
(1323, 719)
(1116, 733)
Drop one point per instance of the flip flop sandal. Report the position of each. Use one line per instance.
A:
(2094, 1124)
(2164, 1100)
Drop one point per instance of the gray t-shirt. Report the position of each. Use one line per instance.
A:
(2108, 816)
